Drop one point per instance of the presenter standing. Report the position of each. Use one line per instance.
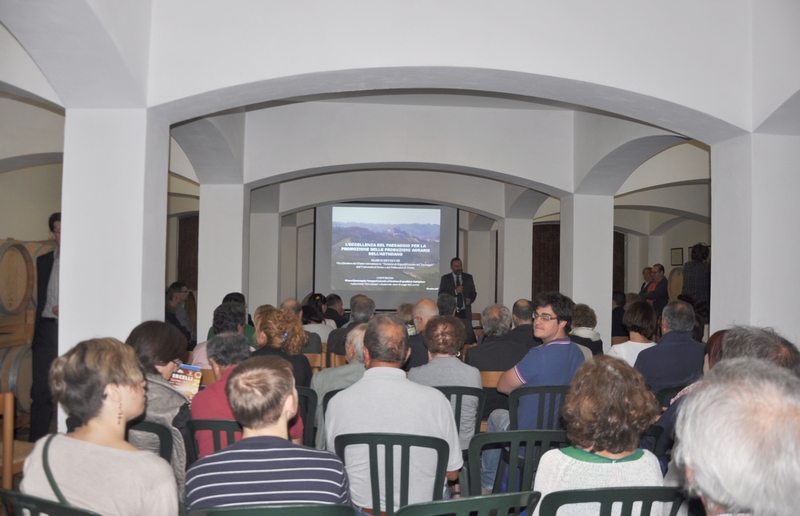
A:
(461, 285)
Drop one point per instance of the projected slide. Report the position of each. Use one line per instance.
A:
(384, 248)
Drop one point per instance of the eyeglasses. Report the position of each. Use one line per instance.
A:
(178, 362)
(545, 317)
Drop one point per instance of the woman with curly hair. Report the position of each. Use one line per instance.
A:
(280, 333)
(607, 410)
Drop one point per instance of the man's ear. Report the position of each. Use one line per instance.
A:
(408, 354)
(367, 358)
(290, 405)
(563, 325)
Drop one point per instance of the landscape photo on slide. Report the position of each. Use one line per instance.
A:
(383, 248)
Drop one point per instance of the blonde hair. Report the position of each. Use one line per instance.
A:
(257, 389)
(78, 378)
(282, 328)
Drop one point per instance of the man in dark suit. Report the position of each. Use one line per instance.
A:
(44, 348)
(677, 359)
(335, 310)
(647, 276)
(656, 291)
(460, 285)
(522, 316)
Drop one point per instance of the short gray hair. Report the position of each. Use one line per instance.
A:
(355, 337)
(228, 349)
(496, 320)
(679, 316)
(763, 343)
(739, 433)
(361, 309)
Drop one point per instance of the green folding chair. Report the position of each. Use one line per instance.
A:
(389, 442)
(527, 445)
(37, 506)
(607, 497)
(308, 431)
(217, 427)
(162, 432)
(489, 505)
(551, 399)
(460, 393)
(279, 510)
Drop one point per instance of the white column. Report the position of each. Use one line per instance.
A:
(264, 253)
(516, 257)
(114, 220)
(221, 248)
(479, 245)
(587, 255)
(288, 258)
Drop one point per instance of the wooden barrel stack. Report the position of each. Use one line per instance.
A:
(17, 315)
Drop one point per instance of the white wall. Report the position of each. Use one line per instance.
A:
(684, 235)
(27, 198)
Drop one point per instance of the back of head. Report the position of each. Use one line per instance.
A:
(406, 313)
(523, 311)
(678, 316)
(312, 315)
(234, 297)
(444, 335)
(316, 300)
(361, 309)
(699, 252)
(332, 300)
(78, 378)
(608, 406)
(292, 306)
(228, 317)
(761, 343)
(562, 306)
(641, 318)
(156, 343)
(283, 328)
(228, 349)
(584, 317)
(257, 389)
(424, 310)
(496, 320)
(632, 297)
(355, 338)
(446, 304)
(386, 339)
(739, 433)
(619, 298)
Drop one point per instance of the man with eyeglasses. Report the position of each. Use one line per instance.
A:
(553, 363)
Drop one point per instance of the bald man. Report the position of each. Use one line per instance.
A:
(424, 311)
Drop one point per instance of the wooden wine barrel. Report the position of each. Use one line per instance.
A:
(675, 283)
(17, 277)
(16, 375)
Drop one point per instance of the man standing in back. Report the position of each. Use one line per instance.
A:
(656, 291)
(460, 285)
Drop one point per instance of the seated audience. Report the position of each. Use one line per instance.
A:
(280, 333)
(319, 302)
(341, 377)
(618, 307)
(159, 346)
(444, 337)
(264, 467)
(384, 400)
(313, 341)
(496, 352)
(607, 410)
(522, 317)
(406, 313)
(677, 359)
(335, 310)
(249, 329)
(424, 310)
(228, 318)
(584, 321)
(314, 322)
(748, 464)
(225, 352)
(362, 309)
(100, 382)
(640, 320)
(447, 306)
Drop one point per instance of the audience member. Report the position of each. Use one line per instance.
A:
(280, 333)
(677, 359)
(159, 346)
(384, 400)
(447, 306)
(697, 274)
(225, 352)
(249, 328)
(656, 291)
(264, 467)
(618, 302)
(607, 409)
(640, 319)
(522, 317)
(319, 302)
(406, 312)
(584, 321)
(362, 309)
(341, 377)
(314, 322)
(100, 383)
(444, 338)
(630, 298)
(748, 463)
(553, 363)
(228, 318)
(496, 352)
(647, 276)
(313, 341)
(335, 310)
(424, 310)
(176, 315)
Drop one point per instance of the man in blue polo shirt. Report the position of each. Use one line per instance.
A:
(553, 363)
